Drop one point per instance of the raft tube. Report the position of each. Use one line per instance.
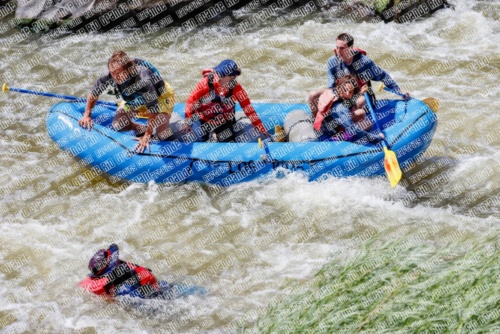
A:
(409, 127)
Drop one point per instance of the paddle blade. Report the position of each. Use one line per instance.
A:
(392, 168)
(5, 87)
(432, 103)
(261, 144)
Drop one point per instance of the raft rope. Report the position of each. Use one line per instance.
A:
(132, 152)
(301, 121)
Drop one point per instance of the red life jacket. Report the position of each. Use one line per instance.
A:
(214, 106)
(95, 285)
(124, 273)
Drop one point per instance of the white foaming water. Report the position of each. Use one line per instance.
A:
(274, 235)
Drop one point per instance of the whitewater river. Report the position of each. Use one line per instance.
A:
(416, 258)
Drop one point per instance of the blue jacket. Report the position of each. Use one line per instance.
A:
(366, 70)
(364, 67)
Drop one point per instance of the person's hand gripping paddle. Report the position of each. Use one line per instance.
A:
(391, 164)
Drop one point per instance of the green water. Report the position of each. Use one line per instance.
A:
(395, 284)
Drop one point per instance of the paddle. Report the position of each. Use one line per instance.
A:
(279, 136)
(263, 145)
(5, 88)
(430, 101)
(391, 163)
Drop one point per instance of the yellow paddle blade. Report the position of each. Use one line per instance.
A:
(381, 86)
(261, 144)
(5, 88)
(279, 134)
(432, 103)
(392, 168)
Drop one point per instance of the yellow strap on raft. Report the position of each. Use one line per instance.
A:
(279, 134)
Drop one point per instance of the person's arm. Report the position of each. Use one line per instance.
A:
(86, 121)
(246, 105)
(379, 74)
(99, 86)
(150, 97)
(332, 65)
(343, 117)
(91, 102)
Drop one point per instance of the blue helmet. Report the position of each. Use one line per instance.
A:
(227, 67)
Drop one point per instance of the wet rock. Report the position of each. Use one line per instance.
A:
(409, 10)
(103, 15)
(152, 15)
(400, 11)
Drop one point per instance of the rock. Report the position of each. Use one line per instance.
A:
(409, 10)
(400, 11)
(103, 15)
(152, 15)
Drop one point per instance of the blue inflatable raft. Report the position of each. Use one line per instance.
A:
(408, 125)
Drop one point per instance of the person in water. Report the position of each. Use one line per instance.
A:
(144, 92)
(110, 276)
(213, 102)
(348, 64)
